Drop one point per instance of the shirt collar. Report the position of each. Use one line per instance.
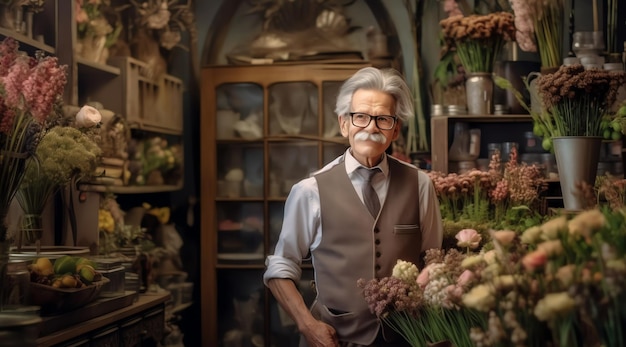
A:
(352, 164)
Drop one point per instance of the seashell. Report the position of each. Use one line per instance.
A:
(332, 22)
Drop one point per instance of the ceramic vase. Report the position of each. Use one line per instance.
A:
(479, 93)
(577, 160)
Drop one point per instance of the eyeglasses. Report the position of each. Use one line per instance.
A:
(362, 120)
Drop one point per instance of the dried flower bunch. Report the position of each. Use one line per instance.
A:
(505, 196)
(30, 94)
(478, 38)
(577, 101)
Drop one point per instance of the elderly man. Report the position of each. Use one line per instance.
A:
(355, 218)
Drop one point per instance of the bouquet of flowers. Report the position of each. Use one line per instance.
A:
(98, 26)
(114, 232)
(426, 306)
(540, 23)
(576, 102)
(30, 90)
(504, 197)
(478, 38)
(64, 153)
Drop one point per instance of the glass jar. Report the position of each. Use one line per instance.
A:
(16, 284)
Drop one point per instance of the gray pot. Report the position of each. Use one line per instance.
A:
(577, 160)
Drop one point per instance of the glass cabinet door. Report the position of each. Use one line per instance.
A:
(289, 162)
(239, 111)
(240, 302)
(293, 108)
(240, 232)
(329, 100)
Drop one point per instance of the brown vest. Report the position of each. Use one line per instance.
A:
(355, 246)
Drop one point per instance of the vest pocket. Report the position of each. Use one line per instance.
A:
(406, 229)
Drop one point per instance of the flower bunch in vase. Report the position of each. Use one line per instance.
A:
(98, 26)
(540, 27)
(478, 39)
(64, 153)
(30, 90)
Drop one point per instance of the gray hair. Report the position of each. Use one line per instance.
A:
(385, 80)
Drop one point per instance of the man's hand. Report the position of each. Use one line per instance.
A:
(320, 334)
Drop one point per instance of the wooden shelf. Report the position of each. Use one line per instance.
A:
(100, 188)
(33, 45)
(441, 139)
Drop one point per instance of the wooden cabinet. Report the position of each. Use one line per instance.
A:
(263, 129)
(141, 323)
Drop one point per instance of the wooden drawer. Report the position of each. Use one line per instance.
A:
(108, 337)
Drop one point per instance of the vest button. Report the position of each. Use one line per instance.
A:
(377, 267)
(377, 241)
(376, 230)
(377, 254)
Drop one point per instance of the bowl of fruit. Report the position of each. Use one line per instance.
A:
(65, 284)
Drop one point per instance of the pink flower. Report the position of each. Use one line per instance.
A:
(504, 237)
(468, 238)
(424, 277)
(534, 260)
(465, 278)
(451, 8)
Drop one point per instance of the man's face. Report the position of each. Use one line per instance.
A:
(376, 103)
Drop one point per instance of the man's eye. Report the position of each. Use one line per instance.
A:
(360, 116)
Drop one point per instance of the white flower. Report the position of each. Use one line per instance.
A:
(405, 270)
(88, 117)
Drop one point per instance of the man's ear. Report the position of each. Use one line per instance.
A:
(344, 125)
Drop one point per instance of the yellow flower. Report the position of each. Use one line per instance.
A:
(105, 221)
(471, 261)
(586, 223)
(481, 297)
(505, 282)
(553, 227)
(531, 235)
(551, 248)
(565, 274)
(554, 305)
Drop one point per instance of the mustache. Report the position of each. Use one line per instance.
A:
(364, 136)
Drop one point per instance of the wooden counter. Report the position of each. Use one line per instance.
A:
(143, 320)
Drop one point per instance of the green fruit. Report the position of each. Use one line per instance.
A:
(537, 130)
(616, 135)
(622, 111)
(86, 273)
(546, 144)
(606, 134)
(80, 261)
(64, 265)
